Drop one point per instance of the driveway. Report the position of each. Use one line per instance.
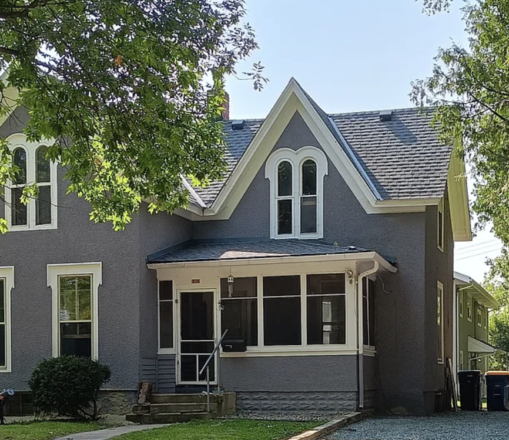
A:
(480, 425)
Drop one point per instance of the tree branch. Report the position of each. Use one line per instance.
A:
(8, 51)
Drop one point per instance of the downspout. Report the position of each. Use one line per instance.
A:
(360, 332)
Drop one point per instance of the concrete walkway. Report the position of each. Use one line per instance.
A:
(106, 434)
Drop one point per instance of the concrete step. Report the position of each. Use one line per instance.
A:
(159, 408)
(184, 398)
(147, 419)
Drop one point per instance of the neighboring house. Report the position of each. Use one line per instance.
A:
(473, 304)
(327, 252)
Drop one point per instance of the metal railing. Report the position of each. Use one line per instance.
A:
(206, 367)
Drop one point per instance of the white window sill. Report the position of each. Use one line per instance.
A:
(166, 351)
(24, 228)
(5, 370)
(369, 350)
(330, 350)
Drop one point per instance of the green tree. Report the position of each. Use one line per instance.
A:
(470, 89)
(137, 85)
(499, 321)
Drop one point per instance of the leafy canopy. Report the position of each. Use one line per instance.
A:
(137, 85)
(470, 86)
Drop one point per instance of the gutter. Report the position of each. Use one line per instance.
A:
(360, 330)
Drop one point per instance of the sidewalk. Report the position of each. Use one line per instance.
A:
(106, 434)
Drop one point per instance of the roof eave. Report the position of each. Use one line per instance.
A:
(354, 256)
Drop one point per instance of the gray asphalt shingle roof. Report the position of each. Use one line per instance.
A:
(401, 159)
(235, 250)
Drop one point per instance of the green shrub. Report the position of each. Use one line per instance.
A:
(68, 386)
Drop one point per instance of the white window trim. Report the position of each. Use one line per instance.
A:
(460, 293)
(469, 308)
(174, 317)
(7, 273)
(440, 288)
(440, 239)
(56, 270)
(19, 140)
(296, 159)
(462, 362)
(479, 316)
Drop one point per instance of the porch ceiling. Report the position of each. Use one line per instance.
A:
(229, 250)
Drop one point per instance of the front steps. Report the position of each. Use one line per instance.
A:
(179, 408)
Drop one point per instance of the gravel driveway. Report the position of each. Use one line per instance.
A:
(480, 425)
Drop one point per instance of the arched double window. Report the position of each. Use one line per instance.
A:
(297, 192)
(32, 166)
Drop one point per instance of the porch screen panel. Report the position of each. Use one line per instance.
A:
(239, 310)
(75, 297)
(165, 314)
(326, 309)
(282, 310)
(2, 324)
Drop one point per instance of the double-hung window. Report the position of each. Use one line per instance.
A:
(75, 315)
(33, 168)
(75, 290)
(6, 285)
(440, 225)
(296, 180)
(440, 322)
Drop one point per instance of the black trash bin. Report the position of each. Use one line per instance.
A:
(498, 390)
(470, 390)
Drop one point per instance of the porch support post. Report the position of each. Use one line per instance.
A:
(360, 331)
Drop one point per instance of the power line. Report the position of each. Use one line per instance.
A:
(481, 244)
(466, 251)
(480, 253)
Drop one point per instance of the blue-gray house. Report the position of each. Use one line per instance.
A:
(327, 254)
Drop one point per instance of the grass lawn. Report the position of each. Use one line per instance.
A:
(43, 430)
(224, 430)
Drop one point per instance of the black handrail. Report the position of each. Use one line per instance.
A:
(216, 347)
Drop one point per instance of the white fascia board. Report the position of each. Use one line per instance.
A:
(458, 198)
(384, 264)
(293, 99)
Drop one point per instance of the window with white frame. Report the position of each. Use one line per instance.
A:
(479, 315)
(166, 316)
(6, 285)
(30, 159)
(469, 308)
(485, 317)
(440, 321)
(368, 309)
(460, 303)
(461, 361)
(296, 180)
(440, 225)
(75, 308)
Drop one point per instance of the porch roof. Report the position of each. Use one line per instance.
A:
(247, 249)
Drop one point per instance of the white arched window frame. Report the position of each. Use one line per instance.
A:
(296, 158)
(47, 187)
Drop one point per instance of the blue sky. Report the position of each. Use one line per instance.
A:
(351, 55)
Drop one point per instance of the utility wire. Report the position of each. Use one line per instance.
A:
(481, 244)
(480, 253)
(468, 251)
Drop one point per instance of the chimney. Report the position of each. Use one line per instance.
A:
(226, 112)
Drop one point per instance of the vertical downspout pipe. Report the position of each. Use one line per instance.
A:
(360, 331)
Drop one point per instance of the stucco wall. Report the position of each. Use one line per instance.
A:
(399, 309)
(439, 267)
(127, 297)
